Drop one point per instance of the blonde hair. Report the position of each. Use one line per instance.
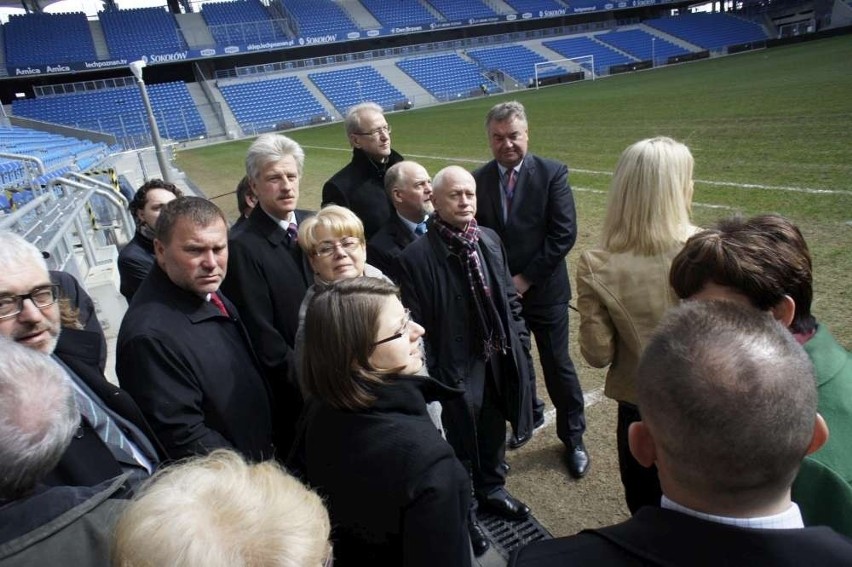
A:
(650, 198)
(219, 511)
(339, 221)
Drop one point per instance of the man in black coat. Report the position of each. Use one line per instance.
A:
(456, 283)
(360, 185)
(137, 257)
(268, 274)
(113, 437)
(409, 188)
(728, 401)
(182, 351)
(527, 201)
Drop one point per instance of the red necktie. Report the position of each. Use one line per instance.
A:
(215, 300)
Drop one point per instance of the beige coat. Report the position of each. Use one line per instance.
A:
(621, 298)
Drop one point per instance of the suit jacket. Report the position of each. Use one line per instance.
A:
(134, 262)
(387, 244)
(621, 299)
(267, 281)
(80, 300)
(541, 228)
(655, 536)
(88, 460)
(435, 289)
(396, 493)
(360, 186)
(193, 373)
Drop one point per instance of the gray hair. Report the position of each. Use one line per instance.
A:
(505, 111)
(352, 121)
(15, 250)
(38, 417)
(730, 398)
(269, 148)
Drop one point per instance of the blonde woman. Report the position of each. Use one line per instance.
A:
(623, 287)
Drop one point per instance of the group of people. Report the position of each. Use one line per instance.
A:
(376, 349)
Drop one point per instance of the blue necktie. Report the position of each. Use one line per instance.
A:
(292, 235)
(420, 229)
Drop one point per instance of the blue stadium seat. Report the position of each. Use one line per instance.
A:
(516, 61)
(447, 77)
(31, 39)
(533, 6)
(273, 104)
(711, 31)
(642, 45)
(241, 22)
(5, 204)
(578, 46)
(349, 87)
(462, 9)
(319, 17)
(130, 34)
(120, 112)
(399, 13)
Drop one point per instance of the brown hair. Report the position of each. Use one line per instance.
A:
(341, 324)
(197, 209)
(764, 257)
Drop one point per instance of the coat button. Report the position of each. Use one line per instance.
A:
(458, 297)
(458, 339)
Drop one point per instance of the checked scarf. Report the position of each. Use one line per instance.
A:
(462, 243)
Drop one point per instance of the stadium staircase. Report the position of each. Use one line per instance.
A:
(195, 31)
(359, 14)
(98, 39)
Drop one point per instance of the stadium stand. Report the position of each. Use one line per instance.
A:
(349, 87)
(241, 22)
(578, 46)
(447, 77)
(398, 13)
(133, 33)
(31, 39)
(533, 6)
(119, 111)
(318, 17)
(462, 9)
(710, 31)
(641, 44)
(274, 104)
(516, 61)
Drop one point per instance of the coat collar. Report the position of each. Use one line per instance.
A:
(196, 309)
(409, 394)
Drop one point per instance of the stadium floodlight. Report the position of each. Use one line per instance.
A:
(136, 68)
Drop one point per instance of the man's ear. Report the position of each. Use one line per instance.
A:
(820, 435)
(159, 251)
(784, 311)
(396, 195)
(354, 142)
(641, 444)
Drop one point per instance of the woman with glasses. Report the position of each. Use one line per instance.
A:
(395, 491)
(333, 241)
(623, 286)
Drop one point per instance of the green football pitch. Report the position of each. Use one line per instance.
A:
(771, 131)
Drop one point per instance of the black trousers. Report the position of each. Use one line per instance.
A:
(641, 484)
(549, 326)
(476, 427)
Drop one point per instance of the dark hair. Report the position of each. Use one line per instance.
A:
(764, 258)
(730, 399)
(197, 209)
(243, 189)
(141, 196)
(341, 324)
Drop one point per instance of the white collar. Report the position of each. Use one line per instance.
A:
(791, 518)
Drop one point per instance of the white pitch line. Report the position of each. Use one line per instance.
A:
(602, 192)
(808, 190)
(590, 399)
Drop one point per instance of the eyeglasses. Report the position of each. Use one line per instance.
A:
(375, 133)
(326, 249)
(402, 330)
(11, 305)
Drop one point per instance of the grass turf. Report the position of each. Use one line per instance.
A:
(771, 131)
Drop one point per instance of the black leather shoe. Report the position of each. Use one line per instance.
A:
(578, 461)
(503, 504)
(478, 540)
(516, 442)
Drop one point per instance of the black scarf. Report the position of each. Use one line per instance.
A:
(462, 243)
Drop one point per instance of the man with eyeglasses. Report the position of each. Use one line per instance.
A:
(112, 437)
(360, 185)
